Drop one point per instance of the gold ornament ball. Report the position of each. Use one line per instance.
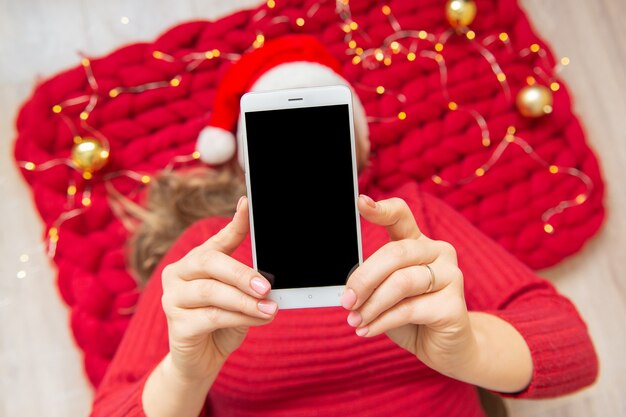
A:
(460, 13)
(89, 154)
(534, 101)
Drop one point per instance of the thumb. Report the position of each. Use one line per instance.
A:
(231, 236)
(393, 213)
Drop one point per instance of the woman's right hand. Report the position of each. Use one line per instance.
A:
(210, 300)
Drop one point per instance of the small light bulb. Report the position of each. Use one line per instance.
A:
(195, 155)
(380, 89)
(565, 61)
(554, 86)
(53, 234)
(125, 20)
(145, 179)
(271, 4)
(456, 5)
(438, 47)
(410, 56)
(480, 172)
(386, 10)
(24, 258)
(548, 228)
(501, 77)
(353, 25)
(503, 37)
(453, 106)
(422, 34)
(553, 169)
(436, 179)
(534, 47)
(352, 44)
(29, 166)
(57, 108)
(470, 34)
(402, 115)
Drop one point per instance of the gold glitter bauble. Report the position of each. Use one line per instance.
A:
(460, 13)
(534, 101)
(89, 154)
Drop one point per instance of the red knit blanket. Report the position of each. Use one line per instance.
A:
(538, 191)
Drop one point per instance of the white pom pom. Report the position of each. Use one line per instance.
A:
(216, 145)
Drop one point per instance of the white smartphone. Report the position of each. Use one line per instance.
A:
(301, 177)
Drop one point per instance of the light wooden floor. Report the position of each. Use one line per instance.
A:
(40, 370)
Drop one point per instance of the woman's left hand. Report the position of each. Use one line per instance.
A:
(394, 292)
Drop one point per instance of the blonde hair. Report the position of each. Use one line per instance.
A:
(174, 202)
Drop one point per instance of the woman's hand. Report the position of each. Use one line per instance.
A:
(210, 300)
(393, 292)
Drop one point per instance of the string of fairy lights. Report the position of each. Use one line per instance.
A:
(91, 149)
(533, 100)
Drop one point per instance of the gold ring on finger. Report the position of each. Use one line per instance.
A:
(431, 284)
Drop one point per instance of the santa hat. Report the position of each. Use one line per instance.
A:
(287, 62)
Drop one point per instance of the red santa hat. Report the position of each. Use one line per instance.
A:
(287, 62)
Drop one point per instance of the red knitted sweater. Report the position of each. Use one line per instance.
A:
(309, 362)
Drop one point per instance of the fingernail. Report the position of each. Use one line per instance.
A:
(259, 285)
(354, 318)
(362, 331)
(239, 202)
(348, 298)
(267, 306)
(368, 201)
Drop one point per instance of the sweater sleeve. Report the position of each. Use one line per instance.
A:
(564, 359)
(145, 342)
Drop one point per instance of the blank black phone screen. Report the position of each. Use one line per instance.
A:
(302, 195)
